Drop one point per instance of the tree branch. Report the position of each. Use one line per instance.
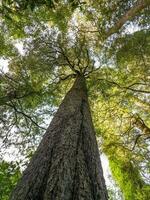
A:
(24, 114)
(139, 123)
(128, 87)
(129, 15)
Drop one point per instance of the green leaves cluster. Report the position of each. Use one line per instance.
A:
(9, 175)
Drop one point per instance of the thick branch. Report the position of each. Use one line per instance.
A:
(129, 15)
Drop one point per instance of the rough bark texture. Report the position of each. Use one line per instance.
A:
(66, 165)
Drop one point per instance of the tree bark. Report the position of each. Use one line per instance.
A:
(66, 165)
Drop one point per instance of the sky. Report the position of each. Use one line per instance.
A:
(4, 64)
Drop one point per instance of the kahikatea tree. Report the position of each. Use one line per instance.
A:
(81, 45)
(66, 164)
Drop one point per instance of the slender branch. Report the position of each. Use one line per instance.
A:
(13, 96)
(136, 141)
(139, 123)
(68, 76)
(24, 114)
(68, 61)
(87, 73)
(128, 87)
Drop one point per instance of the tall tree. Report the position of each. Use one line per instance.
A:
(66, 164)
(84, 45)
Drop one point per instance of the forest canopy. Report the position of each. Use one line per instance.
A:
(108, 42)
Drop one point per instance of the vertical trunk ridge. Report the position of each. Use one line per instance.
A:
(66, 165)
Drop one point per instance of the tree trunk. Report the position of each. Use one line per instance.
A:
(66, 165)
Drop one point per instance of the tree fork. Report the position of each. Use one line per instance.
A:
(66, 165)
